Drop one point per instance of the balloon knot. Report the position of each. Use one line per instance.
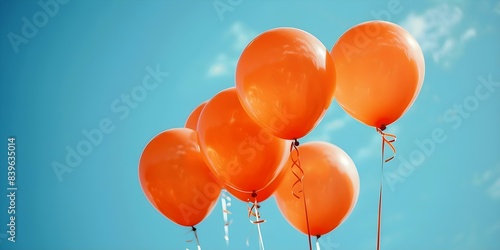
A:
(193, 228)
(254, 194)
(382, 127)
(296, 143)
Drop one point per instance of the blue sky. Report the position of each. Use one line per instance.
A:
(75, 70)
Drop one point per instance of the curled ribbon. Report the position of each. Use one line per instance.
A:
(388, 139)
(298, 185)
(253, 210)
(226, 203)
(297, 171)
(193, 229)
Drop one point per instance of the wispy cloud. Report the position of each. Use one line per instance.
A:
(494, 190)
(468, 34)
(225, 63)
(221, 66)
(491, 179)
(337, 123)
(241, 34)
(439, 32)
(330, 126)
(485, 177)
(328, 244)
(372, 148)
(369, 150)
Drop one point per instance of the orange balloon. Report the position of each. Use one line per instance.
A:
(261, 195)
(380, 71)
(192, 121)
(176, 179)
(239, 152)
(331, 187)
(286, 81)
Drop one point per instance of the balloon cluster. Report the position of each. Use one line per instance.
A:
(245, 138)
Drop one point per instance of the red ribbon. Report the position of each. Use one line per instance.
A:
(386, 139)
(298, 172)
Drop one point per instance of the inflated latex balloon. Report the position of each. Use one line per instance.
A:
(285, 79)
(192, 121)
(176, 179)
(330, 186)
(380, 70)
(262, 194)
(241, 154)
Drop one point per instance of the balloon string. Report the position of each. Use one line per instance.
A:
(386, 140)
(389, 142)
(254, 211)
(261, 242)
(379, 216)
(317, 242)
(193, 229)
(226, 203)
(298, 172)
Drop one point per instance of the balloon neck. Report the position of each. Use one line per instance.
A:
(382, 127)
(254, 194)
(193, 228)
(296, 142)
